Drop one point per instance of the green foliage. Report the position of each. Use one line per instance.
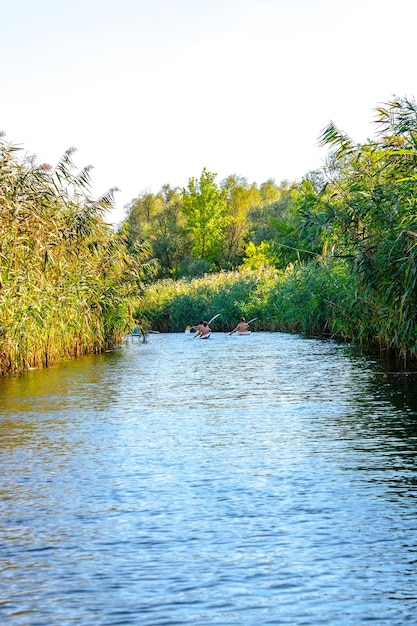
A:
(157, 220)
(192, 268)
(170, 305)
(371, 194)
(67, 284)
(260, 256)
(274, 205)
(309, 299)
(335, 253)
(206, 227)
(204, 207)
(240, 199)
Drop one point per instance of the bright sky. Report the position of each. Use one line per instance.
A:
(152, 91)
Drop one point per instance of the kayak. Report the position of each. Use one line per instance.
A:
(244, 332)
(194, 336)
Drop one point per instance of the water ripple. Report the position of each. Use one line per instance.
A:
(268, 479)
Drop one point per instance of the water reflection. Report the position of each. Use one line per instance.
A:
(265, 479)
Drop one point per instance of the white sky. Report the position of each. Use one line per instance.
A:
(152, 91)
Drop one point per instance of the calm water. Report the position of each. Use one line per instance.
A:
(267, 479)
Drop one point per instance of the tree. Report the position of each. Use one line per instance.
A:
(157, 220)
(204, 208)
(241, 198)
(169, 240)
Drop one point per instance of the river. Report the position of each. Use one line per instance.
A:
(267, 479)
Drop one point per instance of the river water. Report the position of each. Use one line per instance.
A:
(267, 479)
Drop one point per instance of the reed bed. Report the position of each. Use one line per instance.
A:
(297, 299)
(316, 299)
(67, 285)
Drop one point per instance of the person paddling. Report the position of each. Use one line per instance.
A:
(201, 329)
(242, 327)
(205, 331)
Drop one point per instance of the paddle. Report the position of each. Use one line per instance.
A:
(188, 328)
(213, 318)
(198, 333)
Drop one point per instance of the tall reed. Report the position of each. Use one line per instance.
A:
(67, 284)
(307, 299)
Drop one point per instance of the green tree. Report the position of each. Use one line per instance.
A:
(273, 203)
(241, 198)
(269, 192)
(204, 208)
(301, 229)
(169, 240)
(157, 220)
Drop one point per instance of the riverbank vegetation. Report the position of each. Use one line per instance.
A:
(339, 246)
(68, 285)
(332, 254)
(298, 299)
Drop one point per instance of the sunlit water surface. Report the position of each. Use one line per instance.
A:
(267, 479)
